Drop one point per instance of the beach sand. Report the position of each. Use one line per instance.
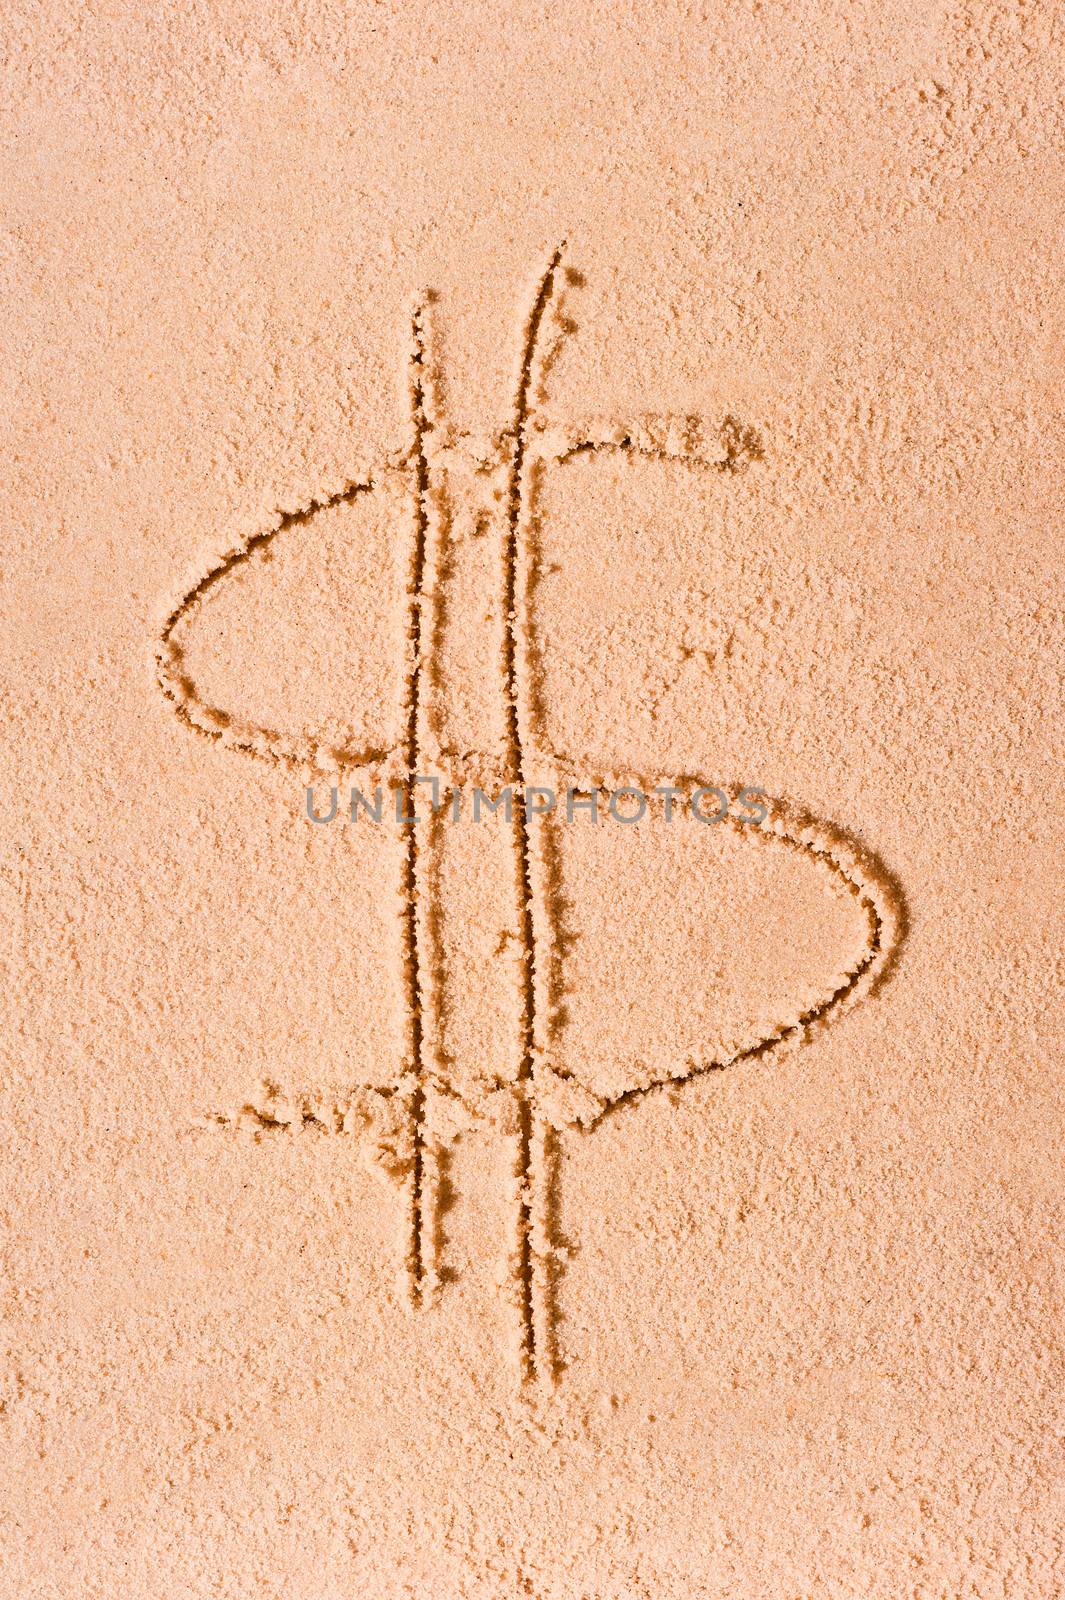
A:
(587, 1202)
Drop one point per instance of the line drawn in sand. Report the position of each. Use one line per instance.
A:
(547, 1093)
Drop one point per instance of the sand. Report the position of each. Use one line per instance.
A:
(553, 400)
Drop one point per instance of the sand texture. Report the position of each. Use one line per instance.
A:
(465, 413)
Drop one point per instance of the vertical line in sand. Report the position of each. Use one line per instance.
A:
(416, 1262)
(529, 1171)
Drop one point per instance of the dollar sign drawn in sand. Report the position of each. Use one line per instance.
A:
(589, 1033)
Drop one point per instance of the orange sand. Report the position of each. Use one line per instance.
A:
(532, 1207)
